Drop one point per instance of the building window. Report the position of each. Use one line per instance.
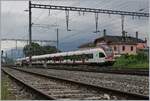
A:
(115, 48)
(131, 48)
(123, 48)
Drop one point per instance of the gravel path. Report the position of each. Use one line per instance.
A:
(128, 83)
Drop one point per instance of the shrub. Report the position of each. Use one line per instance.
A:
(127, 60)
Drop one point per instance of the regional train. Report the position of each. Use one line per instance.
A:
(93, 56)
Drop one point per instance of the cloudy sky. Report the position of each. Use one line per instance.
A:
(15, 21)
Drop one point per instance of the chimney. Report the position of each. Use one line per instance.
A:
(136, 36)
(104, 32)
(145, 40)
(123, 33)
(126, 36)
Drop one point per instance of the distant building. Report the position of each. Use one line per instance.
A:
(119, 44)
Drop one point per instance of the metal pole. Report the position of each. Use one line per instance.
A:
(16, 44)
(30, 34)
(6, 54)
(96, 22)
(57, 41)
(16, 55)
(41, 43)
(11, 53)
(27, 42)
(67, 20)
(122, 24)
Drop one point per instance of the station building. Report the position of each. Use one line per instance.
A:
(120, 44)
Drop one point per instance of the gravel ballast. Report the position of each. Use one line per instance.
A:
(127, 83)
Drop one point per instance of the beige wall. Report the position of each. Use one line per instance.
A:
(128, 50)
(119, 49)
(141, 45)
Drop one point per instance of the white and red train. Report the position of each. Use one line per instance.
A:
(94, 56)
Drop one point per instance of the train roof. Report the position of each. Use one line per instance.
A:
(78, 52)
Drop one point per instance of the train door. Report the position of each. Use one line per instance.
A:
(99, 57)
(95, 57)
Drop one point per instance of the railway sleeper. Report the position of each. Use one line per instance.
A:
(64, 91)
(50, 87)
(69, 95)
(97, 98)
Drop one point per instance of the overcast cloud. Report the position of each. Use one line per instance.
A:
(15, 21)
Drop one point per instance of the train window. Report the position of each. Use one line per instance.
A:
(49, 58)
(64, 57)
(101, 55)
(70, 57)
(89, 56)
(78, 57)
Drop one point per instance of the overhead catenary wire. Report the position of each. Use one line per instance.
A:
(71, 36)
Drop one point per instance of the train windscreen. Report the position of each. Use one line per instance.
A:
(109, 52)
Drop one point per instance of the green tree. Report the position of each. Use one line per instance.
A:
(36, 49)
(49, 49)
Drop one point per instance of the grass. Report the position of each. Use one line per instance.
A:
(4, 89)
(139, 61)
(5, 93)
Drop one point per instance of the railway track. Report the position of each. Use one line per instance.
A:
(58, 88)
(97, 69)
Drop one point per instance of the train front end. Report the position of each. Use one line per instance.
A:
(109, 58)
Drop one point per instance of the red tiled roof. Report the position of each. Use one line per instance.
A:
(113, 40)
(119, 39)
